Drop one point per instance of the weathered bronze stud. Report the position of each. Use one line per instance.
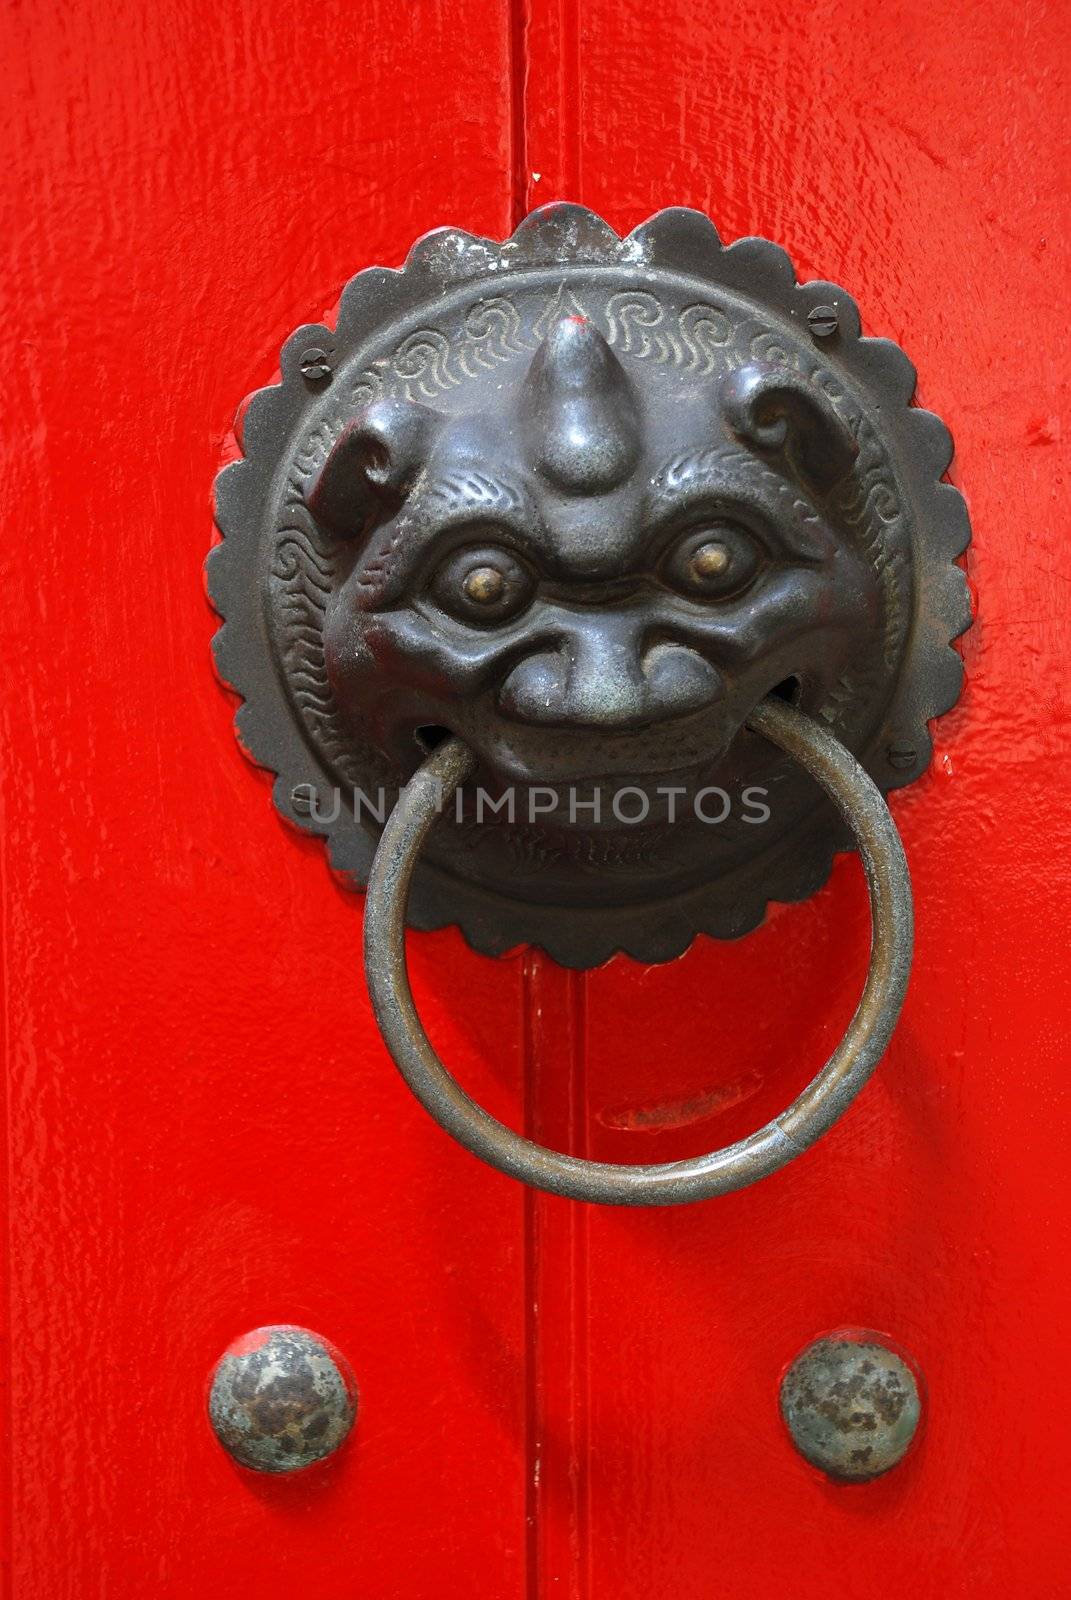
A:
(281, 1399)
(851, 1405)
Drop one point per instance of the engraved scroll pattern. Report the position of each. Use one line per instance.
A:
(693, 340)
(303, 573)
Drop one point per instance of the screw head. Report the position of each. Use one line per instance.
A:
(851, 1405)
(281, 1398)
(302, 799)
(314, 364)
(823, 321)
(901, 755)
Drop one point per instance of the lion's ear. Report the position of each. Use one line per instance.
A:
(371, 466)
(779, 413)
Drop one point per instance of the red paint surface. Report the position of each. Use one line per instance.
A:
(205, 1135)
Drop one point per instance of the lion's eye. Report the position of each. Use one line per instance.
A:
(713, 562)
(482, 584)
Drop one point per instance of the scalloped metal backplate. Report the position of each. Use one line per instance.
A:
(462, 312)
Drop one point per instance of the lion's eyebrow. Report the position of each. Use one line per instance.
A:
(724, 475)
(437, 505)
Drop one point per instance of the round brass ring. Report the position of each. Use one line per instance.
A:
(826, 1097)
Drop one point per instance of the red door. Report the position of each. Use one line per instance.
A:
(205, 1133)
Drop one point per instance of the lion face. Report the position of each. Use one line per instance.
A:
(587, 580)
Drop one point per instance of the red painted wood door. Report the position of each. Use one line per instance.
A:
(204, 1131)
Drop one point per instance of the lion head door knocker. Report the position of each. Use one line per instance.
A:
(552, 554)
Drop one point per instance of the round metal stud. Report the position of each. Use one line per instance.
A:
(851, 1405)
(281, 1398)
(823, 321)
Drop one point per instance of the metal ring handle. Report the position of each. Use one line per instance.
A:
(674, 1182)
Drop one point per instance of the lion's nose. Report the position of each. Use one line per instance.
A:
(598, 678)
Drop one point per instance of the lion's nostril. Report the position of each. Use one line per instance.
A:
(430, 737)
(612, 688)
(679, 681)
(535, 690)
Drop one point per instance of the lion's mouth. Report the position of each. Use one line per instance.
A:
(512, 754)
(672, 752)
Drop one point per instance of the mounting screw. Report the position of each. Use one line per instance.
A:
(901, 755)
(823, 321)
(281, 1399)
(851, 1405)
(315, 364)
(302, 799)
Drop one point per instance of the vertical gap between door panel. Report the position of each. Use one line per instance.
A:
(556, 1291)
(545, 165)
(545, 103)
(519, 20)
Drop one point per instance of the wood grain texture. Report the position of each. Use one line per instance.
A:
(206, 1133)
(917, 155)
